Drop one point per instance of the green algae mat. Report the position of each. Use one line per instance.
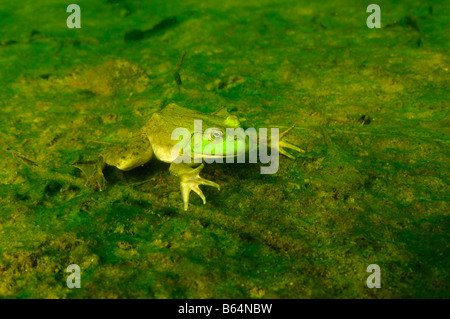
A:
(370, 109)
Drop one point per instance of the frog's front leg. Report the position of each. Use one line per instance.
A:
(283, 145)
(190, 181)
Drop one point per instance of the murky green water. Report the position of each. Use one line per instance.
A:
(371, 111)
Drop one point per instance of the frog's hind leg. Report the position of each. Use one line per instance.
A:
(124, 157)
(190, 181)
(127, 157)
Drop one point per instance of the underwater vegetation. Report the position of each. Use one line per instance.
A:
(370, 109)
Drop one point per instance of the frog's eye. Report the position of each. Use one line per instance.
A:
(215, 133)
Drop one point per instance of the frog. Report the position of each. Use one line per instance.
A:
(155, 140)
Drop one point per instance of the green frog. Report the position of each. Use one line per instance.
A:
(156, 139)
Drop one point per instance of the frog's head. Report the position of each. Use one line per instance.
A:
(224, 139)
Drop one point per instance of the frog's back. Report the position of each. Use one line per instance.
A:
(160, 126)
(171, 117)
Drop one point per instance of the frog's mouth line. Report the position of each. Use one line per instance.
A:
(235, 154)
(218, 156)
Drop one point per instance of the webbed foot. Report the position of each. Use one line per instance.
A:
(92, 171)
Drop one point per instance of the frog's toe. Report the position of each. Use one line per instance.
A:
(186, 189)
(283, 145)
(190, 182)
(98, 182)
